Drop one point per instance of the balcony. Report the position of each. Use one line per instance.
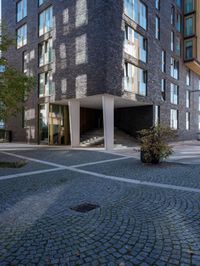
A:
(192, 35)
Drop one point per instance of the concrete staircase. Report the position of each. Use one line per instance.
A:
(95, 138)
(92, 138)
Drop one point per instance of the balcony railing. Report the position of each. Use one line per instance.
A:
(135, 87)
(45, 59)
(135, 51)
(46, 90)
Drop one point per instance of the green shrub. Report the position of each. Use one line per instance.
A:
(155, 143)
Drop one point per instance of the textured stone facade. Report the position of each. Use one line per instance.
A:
(88, 40)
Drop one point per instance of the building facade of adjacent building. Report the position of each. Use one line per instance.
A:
(128, 64)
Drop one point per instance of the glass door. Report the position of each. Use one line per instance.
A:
(58, 125)
(43, 123)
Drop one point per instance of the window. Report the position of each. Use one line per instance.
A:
(22, 36)
(163, 61)
(189, 6)
(189, 26)
(41, 2)
(25, 62)
(21, 10)
(172, 41)
(178, 46)
(157, 115)
(178, 22)
(135, 44)
(2, 68)
(187, 99)
(43, 123)
(46, 21)
(174, 119)
(199, 103)
(45, 84)
(188, 47)
(179, 3)
(199, 84)
(199, 123)
(174, 94)
(142, 15)
(172, 15)
(2, 124)
(137, 11)
(157, 4)
(188, 77)
(187, 121)
(174, 68)
(45, 52)
(157, 29)
(135, 79)
(163, 89)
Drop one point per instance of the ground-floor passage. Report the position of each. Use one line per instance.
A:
(97, 120)
(65, 122)
(75, 207)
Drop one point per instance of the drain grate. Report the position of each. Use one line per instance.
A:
(85, 207)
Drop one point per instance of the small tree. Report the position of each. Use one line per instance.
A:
(14, 85)
(155, 143)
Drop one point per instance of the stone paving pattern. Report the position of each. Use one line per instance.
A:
(166, 173)
(30, 166)
(67, 157)
(135, 225)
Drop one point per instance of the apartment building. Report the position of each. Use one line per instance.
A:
(128, 64)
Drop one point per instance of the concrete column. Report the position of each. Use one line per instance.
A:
(108, 121)
(74, 119)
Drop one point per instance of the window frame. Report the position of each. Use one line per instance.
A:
(47, 76)
(174, 71)
(24, 10)
(140, 39)
(42, 28)
(174, 97)
(140, 71)
(187, 117)
(193, 25)
(163, 61)
(172, 112)
(157, 27)
(157, 4)
(163, 89)
(187, 99)
(136, 9)
(17, 35)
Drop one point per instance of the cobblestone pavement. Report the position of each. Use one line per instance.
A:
(133, 225)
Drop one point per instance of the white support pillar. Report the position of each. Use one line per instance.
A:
(108, 121)
(74, 119)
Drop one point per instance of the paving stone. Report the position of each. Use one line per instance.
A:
(134, 224)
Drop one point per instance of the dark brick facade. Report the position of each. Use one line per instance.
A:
(99, 26)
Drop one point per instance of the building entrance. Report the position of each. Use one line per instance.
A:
(59, 133)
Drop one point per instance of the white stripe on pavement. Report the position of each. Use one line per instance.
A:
(114, 178)
(136, 181)
(33, 159)
(31, 173)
